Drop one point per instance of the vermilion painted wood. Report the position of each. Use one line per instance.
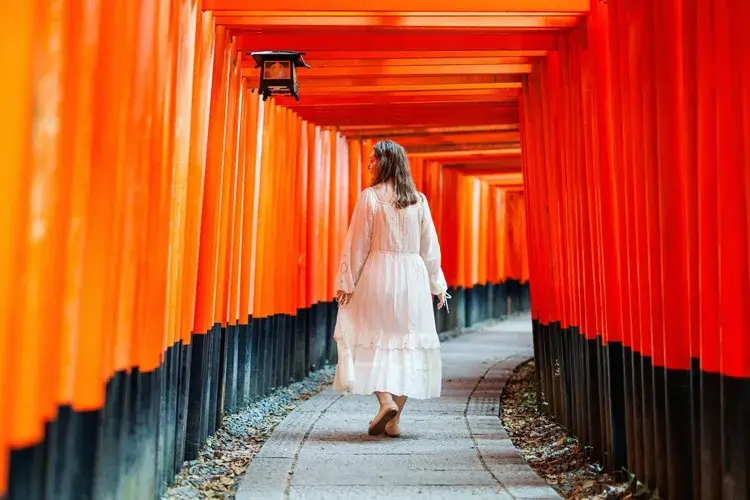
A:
(377, 131)
(428, 57)
(21, 425)
(320, 60)
(491, 96)
(392, 21)
(226, 210)
(355, 80)
(418, 114)
(501, 6)
(421, 119)
(209, 224)
(472, 154)
(489, 170)
(403, 70)
(732, 209)
(363, 40)
(510, 138)
(339, 88)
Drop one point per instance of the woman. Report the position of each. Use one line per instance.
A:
(389, 270)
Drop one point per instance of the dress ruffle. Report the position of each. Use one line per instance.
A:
(415, 373)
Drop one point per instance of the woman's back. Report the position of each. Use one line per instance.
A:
(395, 230)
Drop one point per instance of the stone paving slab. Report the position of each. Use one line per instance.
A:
(442, 492)
(395, 477)
(397, 447)
(452, 447)
(266, 478)
(318, 403)
(287, 436)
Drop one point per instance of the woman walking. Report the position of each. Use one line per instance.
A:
(389, 271)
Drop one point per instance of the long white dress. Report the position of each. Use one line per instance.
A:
(386, 335)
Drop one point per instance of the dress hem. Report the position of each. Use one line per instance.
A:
(427, 386)
(349, 391)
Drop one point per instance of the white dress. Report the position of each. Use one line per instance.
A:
(386, 334)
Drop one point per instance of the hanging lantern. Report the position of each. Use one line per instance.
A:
(278, 72)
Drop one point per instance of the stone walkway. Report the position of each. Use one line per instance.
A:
(452, 447)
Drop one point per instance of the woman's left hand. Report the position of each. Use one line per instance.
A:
(343, 298)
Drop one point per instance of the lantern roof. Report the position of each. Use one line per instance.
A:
(280, 55)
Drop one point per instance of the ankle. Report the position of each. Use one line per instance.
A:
(390, 405)
(385, 399)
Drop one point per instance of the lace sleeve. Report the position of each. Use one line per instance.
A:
(429, 249)
(357, 243)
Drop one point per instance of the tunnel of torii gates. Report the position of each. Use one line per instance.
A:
(168, 240)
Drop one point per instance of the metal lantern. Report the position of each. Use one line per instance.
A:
(278, 72)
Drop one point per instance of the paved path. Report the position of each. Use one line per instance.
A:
(452, 447)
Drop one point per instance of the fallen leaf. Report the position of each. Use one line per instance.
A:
(555, 454)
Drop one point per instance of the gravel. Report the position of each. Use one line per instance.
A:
(227, 454)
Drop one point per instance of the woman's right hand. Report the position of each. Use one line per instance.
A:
(441, 300)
